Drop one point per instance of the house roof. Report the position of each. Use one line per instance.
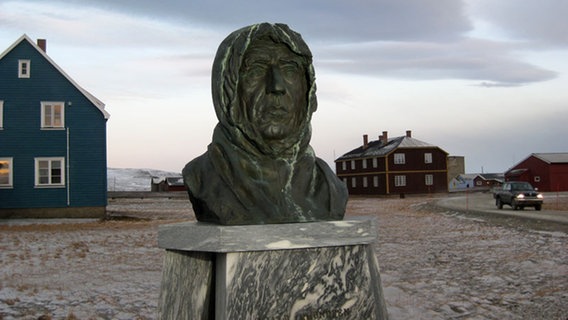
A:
(491, 176)
(378, 148)
(484, 176)
(558, 157)
(552, 157)
(96, 102)
(170, 181)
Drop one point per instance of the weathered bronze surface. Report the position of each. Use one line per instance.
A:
(260, 168)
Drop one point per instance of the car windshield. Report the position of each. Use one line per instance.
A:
(521, 186)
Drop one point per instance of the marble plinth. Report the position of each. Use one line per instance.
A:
(319, 270)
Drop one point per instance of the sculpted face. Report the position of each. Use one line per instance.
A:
(273, 90)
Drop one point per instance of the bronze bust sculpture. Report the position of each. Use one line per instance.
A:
(260, 168)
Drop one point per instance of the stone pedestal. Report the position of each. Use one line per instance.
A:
(319, 270)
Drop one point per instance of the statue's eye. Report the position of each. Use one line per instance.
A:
(289, 68)
(256, 70)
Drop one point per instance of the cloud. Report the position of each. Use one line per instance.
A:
(98, 27)
(471, 59)
(487, 84)
(540, 22)
(333, 20)
(414, 39)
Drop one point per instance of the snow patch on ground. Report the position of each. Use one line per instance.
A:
(129, 179)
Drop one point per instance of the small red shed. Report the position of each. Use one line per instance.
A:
(545, 171)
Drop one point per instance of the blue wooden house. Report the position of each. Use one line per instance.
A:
(52, 139)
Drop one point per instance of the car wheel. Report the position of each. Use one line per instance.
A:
(537, 207)
(514, 205)
(498, 203)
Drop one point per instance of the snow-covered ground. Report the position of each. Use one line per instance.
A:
(434, 264)
(128, 179)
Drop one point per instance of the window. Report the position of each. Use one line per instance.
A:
(24, 68)
(49, 172)
(344, 165)
(375, 181)
(1, 114)
(429, 179)
(353, 182)
(428, 158)
(52, 115)
(352, 164)
(365, 183)
(6, 172)
(364, 163)
(399, 158)
(375, 162)
(399, 181)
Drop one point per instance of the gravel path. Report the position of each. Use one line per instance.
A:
(435, 264)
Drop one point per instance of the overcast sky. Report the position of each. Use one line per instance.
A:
(483, 79)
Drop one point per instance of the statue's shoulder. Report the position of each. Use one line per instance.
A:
(323, 166)
(196, 168)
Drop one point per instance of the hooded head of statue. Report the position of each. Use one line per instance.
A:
(263, 88)
(259, 167)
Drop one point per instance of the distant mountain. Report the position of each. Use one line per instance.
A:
(129, 179)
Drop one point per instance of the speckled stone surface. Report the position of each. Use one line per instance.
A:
(198, 236)
(319, 283)
(187, 288)
(322, 270)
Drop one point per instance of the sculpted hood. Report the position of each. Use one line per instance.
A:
(225, 81)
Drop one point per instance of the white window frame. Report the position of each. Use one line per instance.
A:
(343, 165)
(353, 182)
(1, 114)
(429, 179)
(10, 169)
(428, 157)
(399, 158)
(400, 181)
(51, 125)
(50, 161)
(365, 182)
(375, 162)
(364, 163)
(24, 72)
(376, 181)
(352, 164)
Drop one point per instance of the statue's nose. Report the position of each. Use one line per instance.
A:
(275, 81)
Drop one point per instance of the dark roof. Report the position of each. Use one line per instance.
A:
(516, 172)
(170, 181)
(174, 181)
(484, 176)
(492, 176)
(377, 148)
(559, 157)
(552, 157)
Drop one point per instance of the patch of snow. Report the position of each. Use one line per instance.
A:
(131, 179)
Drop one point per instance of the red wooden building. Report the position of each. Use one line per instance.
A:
(400, 165)
(545, 171)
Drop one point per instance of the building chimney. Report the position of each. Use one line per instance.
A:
(365, 141)
(385, 137)
(408, 134)
(42, 44)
